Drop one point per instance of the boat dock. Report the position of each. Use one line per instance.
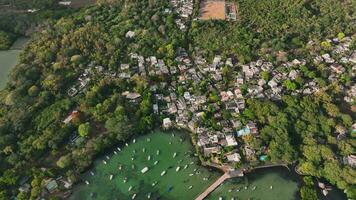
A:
(225, 176)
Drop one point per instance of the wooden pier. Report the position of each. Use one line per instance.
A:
(225, 176)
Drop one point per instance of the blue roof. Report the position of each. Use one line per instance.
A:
(244, 131)
(263, 158)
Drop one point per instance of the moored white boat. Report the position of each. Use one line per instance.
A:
(104, 162)
(144, 170)
(111, 176)
(156, 162)
(87, 182)
(134, 196)
(149, 157)
(190, 187)
(163, 173)
(174, 155)
(148, 195)
(130, 188)
(177, 169)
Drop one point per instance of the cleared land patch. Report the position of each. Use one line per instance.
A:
(212, 10)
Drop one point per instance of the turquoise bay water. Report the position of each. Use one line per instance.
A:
(173, 185)
(263, 184)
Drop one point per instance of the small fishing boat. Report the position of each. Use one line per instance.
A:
(115, 152)
(191, 174)
(254, 188)
(118, 148)
(104, 162)
(271, 187)
(174, 155)
(134, 141)
(144, 170)
(130, 188)
(111, 176)
(154, 183)
(230, 190)
(173, 135)
(181, 140)
(156, 162)
(325, 192)
(245, 187)
(143, 150)
(133, 166)
(148, 139)
(148, 195)
(92, 173)
(87, 182)
(107, 157)
(177, 169)
(185, 166)
(237, 190)
(120, 167)
(149, 157)
(232, 198)
(220, 198)
(163, 173)
(170, 142)
(134, 151)
(190, 187)
(157, 152)
(133, 196)
(125, 179)
(126, 144)
(195, 169)
(132, 158)
(191, 163)
(205, 178)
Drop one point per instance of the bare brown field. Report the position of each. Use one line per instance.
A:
(210, 9)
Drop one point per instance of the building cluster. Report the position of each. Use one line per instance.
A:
(85, 78)
(184, 8)
(193, 93)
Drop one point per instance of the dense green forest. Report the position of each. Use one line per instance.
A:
(36, 145)
(266, 27)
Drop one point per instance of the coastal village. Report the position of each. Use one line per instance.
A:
(193, 93)
(183, 106)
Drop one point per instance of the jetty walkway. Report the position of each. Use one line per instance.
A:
(212, 187)
(229, 173)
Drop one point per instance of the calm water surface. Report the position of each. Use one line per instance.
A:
(172, 186)
(8, 59)
(175, 185)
